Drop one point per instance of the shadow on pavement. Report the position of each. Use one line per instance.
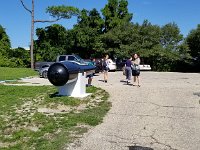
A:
(139, 148)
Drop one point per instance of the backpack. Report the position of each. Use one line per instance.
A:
(105, 63)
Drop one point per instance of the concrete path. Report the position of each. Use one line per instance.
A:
(162, 114)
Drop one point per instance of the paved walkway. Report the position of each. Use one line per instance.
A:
(163, 114)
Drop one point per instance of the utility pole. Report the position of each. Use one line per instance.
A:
(32, 30)
(32, 35)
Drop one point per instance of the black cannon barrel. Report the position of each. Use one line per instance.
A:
(62, 72)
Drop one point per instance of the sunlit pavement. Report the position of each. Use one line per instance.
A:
(162, 114)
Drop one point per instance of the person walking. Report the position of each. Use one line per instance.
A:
(105, 68)
(128, 70)
(136, 70)
(90, 76)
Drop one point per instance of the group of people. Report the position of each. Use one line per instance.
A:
(105, 69)
(132, 68)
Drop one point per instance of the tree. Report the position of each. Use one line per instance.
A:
(5, 44)
(51, 42)
(5, 48)
(193, 41)
(120, 41)
(57, 12)
(86, 33)
(171, 36)
(149, 35)
(19, 57)
(117, 28)
(116, 13)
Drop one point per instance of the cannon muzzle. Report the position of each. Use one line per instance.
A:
(64, 72)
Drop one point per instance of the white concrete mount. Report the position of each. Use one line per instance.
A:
(76, 88)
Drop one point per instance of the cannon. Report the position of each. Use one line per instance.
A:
(70, 77)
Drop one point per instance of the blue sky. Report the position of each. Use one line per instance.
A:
(17, 21)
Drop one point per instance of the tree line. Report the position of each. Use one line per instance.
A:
(112, 32)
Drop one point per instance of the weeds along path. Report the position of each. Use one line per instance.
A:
(162, 114)
(35, 117)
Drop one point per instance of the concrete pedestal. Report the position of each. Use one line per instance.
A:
(75, 88)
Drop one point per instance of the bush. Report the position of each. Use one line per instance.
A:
(5, 62)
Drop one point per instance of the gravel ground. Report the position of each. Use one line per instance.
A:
(162, 114)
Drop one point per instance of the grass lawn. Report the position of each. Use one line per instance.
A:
(15, 73)
(34, 117)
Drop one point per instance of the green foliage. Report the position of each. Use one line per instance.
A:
(161, 59)
(162, 47)
(5, 62)
(118, 41)
(51, 42)
(5, 49)
(129, 38)
(11, 57)
(184, 52)
(85, 35)
(193, 41)
(149, 35)
(4, 42)
(62, 11)
(171, 35)
(116, 13)
(91, 19)
(20, 57)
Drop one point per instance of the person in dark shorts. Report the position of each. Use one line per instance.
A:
(136, 70)
(90, 77)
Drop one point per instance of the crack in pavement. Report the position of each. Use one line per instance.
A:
(139, 134)
(131, 141)
(157, 142)
(126, 141)
(165, 106)
(168, 117)
(153, 140)
(159, 116)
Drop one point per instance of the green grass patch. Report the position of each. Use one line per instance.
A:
(32, 117)
(11, 96)
(54, 98)
(15, 73)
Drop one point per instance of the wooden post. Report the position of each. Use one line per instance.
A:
(32, 35)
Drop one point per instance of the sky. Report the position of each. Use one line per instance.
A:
(17, 21)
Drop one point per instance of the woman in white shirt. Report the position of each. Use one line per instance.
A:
(105, 68)
(136, 70)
